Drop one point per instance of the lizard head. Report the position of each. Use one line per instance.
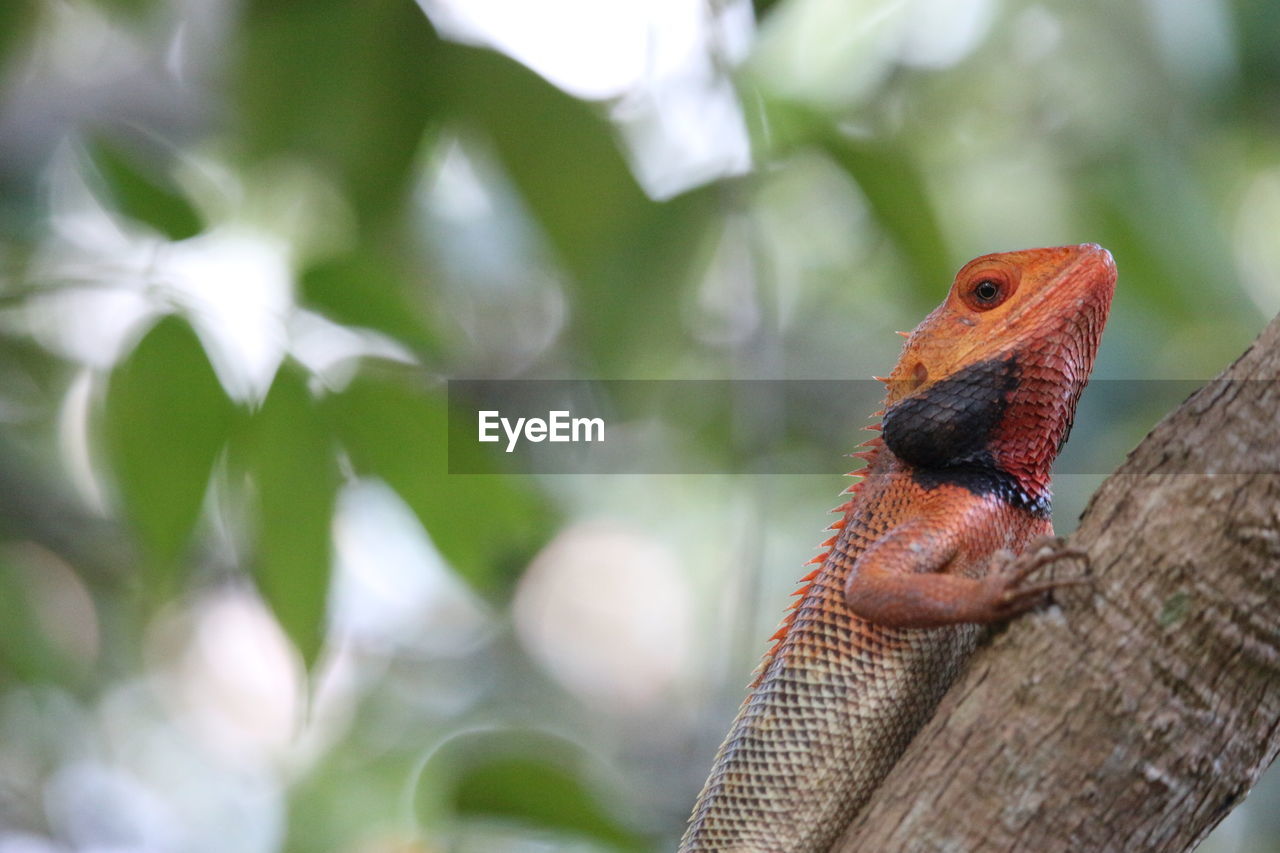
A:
(990, 379)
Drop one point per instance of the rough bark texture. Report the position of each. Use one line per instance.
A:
(1138, 712)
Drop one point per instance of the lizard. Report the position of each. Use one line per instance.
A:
(939, 537)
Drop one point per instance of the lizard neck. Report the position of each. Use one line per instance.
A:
(991, 428)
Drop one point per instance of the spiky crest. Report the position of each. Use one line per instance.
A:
(779, 636)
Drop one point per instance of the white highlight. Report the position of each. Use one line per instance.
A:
(1257, 253)
(606, 611)
(664, 61)
(392, 588)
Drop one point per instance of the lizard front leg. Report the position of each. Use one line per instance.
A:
(908, 579)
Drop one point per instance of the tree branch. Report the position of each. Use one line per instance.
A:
(1136, 715)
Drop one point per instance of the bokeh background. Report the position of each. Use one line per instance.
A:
(244, 606)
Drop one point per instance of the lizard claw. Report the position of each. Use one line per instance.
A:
(1010, 595)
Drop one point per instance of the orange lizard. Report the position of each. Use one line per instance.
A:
(955, 485)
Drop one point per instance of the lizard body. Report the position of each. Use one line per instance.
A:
(956, 483)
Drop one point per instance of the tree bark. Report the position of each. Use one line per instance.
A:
(1136, 712)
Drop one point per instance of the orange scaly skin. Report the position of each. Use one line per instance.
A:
(957, 483)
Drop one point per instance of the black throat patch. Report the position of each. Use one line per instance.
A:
(945, 433)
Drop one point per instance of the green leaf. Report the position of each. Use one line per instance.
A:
(538, 794)
(899, 199)
(629, 312)
(143, 196)
(25, 652)
(342, 85)
(628, 257)
(293, 465)
(364, 288)
(486, 525)
(129, 11)
(763, 7)
(561, 153)
(884, 170)
(16, 20)
(525, 777)
(165, 421)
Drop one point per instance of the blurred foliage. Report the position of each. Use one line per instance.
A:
(146, 199)
(381, 419)
(294, 469)
(366, 287)
(538, 795)
(523, 779)
(363, 119)
(464, 217)
(15, 20)
(27, 655)
(164, 424)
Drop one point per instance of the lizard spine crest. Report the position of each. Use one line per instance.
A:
(779, 636)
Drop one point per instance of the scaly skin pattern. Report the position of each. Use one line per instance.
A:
(956, 484)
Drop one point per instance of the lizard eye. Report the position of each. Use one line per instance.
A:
(986, 292)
